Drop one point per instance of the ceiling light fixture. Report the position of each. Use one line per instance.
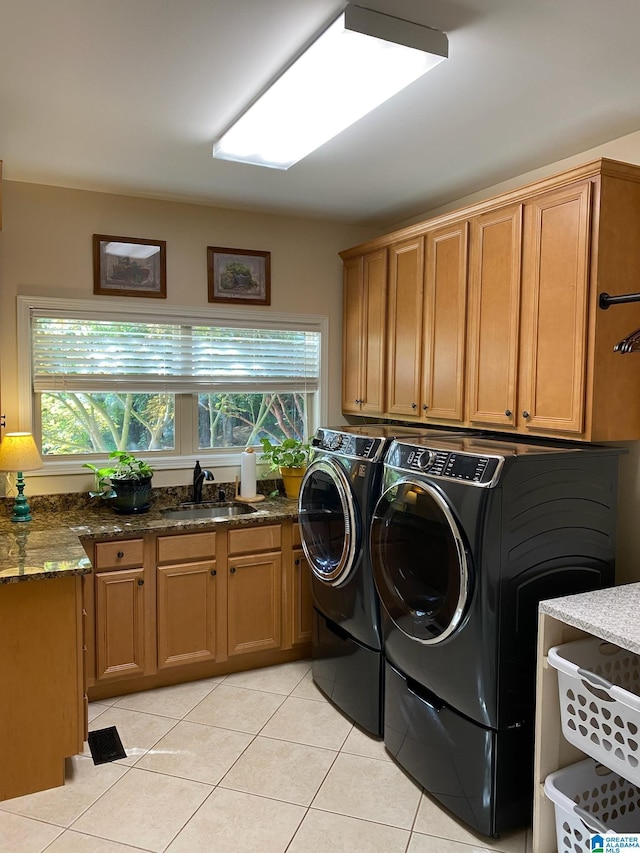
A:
(361, 60)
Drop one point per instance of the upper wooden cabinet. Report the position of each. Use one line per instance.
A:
(494, 316)
(515, 340)
(444, 323)
(406, 272)
(364, 317)
(555, 306)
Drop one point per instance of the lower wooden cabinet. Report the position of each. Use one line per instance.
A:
(186, 598)
(167, 608)
(254, 603)
(119, 621)
(43, 708)
(115, 600)
(254, 589)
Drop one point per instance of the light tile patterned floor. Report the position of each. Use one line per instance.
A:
(256, 762)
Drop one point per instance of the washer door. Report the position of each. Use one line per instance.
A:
(329, 526)
(419, 560)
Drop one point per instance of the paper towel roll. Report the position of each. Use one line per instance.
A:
(248, 474)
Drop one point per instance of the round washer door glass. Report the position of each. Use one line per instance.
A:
(329, 525)
(419, 561)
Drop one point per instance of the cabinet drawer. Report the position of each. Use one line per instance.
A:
(185, 547)
(251, 539)
(118, 555)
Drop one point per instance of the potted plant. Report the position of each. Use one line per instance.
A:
(290, 458)
(127, 482)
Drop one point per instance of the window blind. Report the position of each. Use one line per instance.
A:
(95, 355)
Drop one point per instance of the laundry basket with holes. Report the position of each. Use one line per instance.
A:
(599, 689)
(590, 799)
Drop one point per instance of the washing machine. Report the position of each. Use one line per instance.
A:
(468, 535)
(337, 496)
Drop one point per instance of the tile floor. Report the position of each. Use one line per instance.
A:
(255, 762)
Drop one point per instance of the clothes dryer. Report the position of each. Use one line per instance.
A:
(468, 535)
(336, 501)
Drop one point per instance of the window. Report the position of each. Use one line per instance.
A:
(168, 382)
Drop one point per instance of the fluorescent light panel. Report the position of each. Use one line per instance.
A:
(361, 60)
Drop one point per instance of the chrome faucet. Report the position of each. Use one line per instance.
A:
(199, 476)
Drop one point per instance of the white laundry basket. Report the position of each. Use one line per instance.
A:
(599, 690)
(590, 799)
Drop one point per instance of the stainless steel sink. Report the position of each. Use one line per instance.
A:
(213, 511)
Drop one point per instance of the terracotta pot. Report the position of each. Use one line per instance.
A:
(292, 478)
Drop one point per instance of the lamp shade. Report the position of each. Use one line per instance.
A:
(18, 452)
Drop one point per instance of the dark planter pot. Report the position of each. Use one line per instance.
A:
(131, 495)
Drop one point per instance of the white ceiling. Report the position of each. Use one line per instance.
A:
(128, 95)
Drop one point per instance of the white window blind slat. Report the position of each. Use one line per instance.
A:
(70, 353)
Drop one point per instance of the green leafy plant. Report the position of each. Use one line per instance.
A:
(126, 467)
(292, 453)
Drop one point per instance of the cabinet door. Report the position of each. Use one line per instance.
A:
(374, 333)
(119, 600)
(555, 303)
(364, 330)
(186, 601)
(444, 332)
(494, 315)
(406, 265)
(302, 615)
(254, 608)
(353, 332)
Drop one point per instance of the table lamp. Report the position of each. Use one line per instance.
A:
(18, 452)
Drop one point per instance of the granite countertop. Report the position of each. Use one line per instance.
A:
(52, 544)
(611, 613)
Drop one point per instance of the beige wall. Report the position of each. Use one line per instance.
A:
(46, 249)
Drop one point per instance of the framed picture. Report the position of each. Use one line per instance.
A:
(129, 266)
(239, 275)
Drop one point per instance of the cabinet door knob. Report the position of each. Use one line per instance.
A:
(297, 562)
(414, 405)
(358, 402)
(120, 555)
(213, 573)
(232, 570)
(526, 414)
(425, 407)
(140, 582)
(508, 412)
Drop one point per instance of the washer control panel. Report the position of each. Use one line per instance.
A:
(346, 444)
(470, 468)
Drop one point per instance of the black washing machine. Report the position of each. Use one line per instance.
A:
(336, 501)
(468, 535)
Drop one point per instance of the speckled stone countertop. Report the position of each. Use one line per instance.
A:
(611, 614)
(51, 544)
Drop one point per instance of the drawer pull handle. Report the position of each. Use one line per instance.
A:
(140, 582)
(213, 573)
(120, 555)
(232, 570)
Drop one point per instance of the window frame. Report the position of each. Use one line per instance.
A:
(182, 455)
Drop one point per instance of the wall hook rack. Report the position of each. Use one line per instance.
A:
(605, 301)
